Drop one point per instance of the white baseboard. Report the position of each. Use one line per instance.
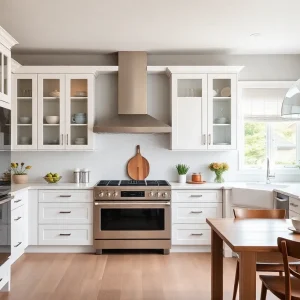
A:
(60, 249)
(190, 249)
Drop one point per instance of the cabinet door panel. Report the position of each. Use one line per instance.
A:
(5, 77)
(222, 112)
(51, 112)
(189, 112)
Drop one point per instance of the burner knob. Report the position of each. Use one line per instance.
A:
(101, 194)
(115, 194)
(158, 195)
(165, 195)
(108, 194)
(151, 194)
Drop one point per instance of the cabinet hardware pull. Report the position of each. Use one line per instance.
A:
(196, 233)
(209, 139)
(65, 234)
(62, 139)
(65, 196)
(17, 201)
(204, 139)
(18, 218)
(196, 212)
(65, 212)
(295, 205)
(18, 244)
(1, 279)
(196, 196)
(132, 203)
(67, 139)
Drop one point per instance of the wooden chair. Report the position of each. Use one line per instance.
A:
(287, 287)
(269, 262)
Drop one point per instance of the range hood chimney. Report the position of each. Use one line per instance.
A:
(132, 99)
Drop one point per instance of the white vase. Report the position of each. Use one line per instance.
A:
(182, 178)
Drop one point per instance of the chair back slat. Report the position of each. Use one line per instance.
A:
(244, 213)
(293, 249)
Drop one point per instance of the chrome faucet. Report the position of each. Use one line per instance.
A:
(268, 172)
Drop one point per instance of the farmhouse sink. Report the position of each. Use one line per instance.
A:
(265, 186)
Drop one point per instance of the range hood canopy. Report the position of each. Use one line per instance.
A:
(132, 99)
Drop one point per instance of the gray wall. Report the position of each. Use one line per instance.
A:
(113, 150)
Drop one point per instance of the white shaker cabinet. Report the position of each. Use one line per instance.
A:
(204, 108)
(6, 43)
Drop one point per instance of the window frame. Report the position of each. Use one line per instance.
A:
(241, 123)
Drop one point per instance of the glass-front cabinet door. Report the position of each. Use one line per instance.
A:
(5, 76)
(189, 111)
(51, 112)
(222, 112)
(24, 112)
(79, 111)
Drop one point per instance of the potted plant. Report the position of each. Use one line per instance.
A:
(19, 172)
(219, 169)
(182, 171)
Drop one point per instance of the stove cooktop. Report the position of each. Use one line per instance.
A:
(133, 183)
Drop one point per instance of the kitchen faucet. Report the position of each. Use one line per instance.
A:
(268, 172)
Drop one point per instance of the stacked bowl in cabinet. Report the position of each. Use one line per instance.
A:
(190, 208)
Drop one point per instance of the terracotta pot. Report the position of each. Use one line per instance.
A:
(19, 179)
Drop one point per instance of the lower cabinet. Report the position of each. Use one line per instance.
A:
(65, 218)
(19, 225)
(190, 208)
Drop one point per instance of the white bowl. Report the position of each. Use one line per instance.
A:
(296, 223)
(221, 120)
(52, 119)
(24, 120)
(54, 93)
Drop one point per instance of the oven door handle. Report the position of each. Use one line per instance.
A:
(132, 203)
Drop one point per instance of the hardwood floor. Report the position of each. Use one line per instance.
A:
(178, 276)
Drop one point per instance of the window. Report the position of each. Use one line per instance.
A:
(265, 133)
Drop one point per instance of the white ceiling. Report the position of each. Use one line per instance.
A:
(157, 26)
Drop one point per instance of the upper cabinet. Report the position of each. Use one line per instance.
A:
(204, 108)
(53, 111)
(6, 43)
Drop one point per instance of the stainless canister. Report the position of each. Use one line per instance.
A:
(77, 175)
(85, 176)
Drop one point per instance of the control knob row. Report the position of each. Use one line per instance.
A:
(158, 194)
(108, 194)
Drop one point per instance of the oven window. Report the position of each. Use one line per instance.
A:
(132, 219)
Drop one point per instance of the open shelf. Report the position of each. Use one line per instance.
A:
(222, 124)
(78, 124)
(78, 98)
(24, 98)
(51, 98)
(24, 124)
(51, 124)
(222, 98)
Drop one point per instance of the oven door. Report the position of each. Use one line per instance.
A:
(132, 220)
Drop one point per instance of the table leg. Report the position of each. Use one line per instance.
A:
(247, 275)
(216, 266)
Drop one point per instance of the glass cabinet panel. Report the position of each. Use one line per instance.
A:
(51, 111)
(1, 72)
(5, 75)
(222, 111)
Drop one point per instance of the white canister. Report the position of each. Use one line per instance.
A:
(85, 176)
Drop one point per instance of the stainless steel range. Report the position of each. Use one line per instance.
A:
(132, 214)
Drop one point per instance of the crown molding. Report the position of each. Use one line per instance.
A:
(6, 39)
(14, 65)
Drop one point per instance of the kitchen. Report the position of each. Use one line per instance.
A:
(90, 82)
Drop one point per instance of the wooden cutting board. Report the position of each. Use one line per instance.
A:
(138, 166)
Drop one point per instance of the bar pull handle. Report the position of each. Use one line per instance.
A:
(198, 234)
(62, 139)
(196, 212)
(65, 212)
(67, 139)
(209, 139)
(295, 205)
(17, 201)
(204, 139)
(65, 196)
(196, 196)
(18, 218)
(18, 244)
(65, 234)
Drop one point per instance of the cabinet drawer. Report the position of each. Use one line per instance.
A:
(195, 212)
(66, 196)
(295, 205)
(17, 231)
(190, 234)
(65, 235)
(197, 196)
(4, 273)
(19, 199)
(293, 215)
(65, 213)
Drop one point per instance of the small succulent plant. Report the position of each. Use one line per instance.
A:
(182, 169)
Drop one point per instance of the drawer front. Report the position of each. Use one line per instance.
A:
(186, 234)
(4, 273)
(17, 230)
(195, 212)
(66, 235)
(65, 213)
(197, 196)
(71, 196)
(293, 215)
(295, 205)
(19, 199)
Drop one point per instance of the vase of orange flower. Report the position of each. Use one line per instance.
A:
(219, 169)
(19, 172)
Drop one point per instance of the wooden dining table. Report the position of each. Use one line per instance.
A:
(247, 237)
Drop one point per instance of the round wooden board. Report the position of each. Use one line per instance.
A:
(196, 182)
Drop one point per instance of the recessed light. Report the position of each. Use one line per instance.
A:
(255, 34)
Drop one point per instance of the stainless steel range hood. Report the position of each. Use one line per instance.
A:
(132, 99)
